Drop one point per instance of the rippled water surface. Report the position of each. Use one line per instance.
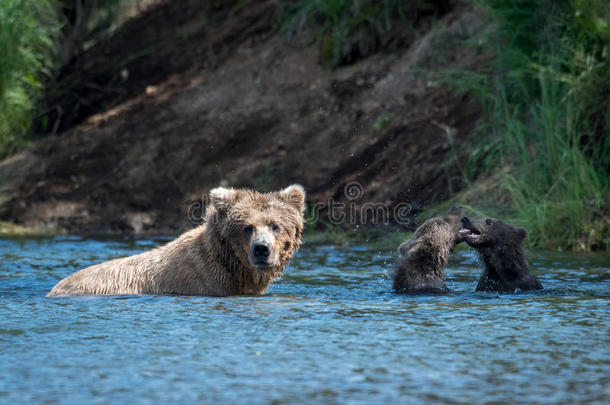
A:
(330, 331)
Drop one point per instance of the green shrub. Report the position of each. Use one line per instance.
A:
(339, 18)
(547, 97)
(27, 29)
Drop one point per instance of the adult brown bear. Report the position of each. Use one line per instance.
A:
(245, 243)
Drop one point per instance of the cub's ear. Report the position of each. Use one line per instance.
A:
(295, 196)
(222, 198)
(403, 249)
(521, 232)
(453, 210)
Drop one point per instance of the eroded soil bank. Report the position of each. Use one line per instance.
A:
(151, 127)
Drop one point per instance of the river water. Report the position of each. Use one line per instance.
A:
(330, 331)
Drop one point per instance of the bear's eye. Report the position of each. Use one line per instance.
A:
(274, 227)
(488, 221)
(248, 229)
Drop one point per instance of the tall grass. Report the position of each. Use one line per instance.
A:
(27, 29)
(339, 18)
(547, 96)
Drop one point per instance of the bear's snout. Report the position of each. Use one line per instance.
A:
(260, 251)
(470, 228)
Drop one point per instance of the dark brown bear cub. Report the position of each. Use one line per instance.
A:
(499, 248)
(424, 257)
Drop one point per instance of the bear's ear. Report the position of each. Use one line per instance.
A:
(222, 198)
(453, 210)
(295, 196)
(521, 232)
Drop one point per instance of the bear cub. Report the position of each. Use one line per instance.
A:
(499, 246)
(424, 257)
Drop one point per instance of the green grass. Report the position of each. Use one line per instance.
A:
(382, 237)
(27, 29)
(338, 19)
(547, 101)
(8, 229)
(320, 231)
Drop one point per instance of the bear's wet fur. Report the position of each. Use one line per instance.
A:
(423, 258)
(247, 240)
(499, 246)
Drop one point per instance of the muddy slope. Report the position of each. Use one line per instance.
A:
(232, 103)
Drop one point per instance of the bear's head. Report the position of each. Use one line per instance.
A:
(447, 226)
(486, 232)
(440, 231)
(263, 230)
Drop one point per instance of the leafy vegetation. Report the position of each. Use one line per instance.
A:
(27, 30)
(337, 235)
(544, 163)
(339, 19)
(547, 97)
(36, 37)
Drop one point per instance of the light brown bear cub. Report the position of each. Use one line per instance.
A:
(424, 257)
(247, 240)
